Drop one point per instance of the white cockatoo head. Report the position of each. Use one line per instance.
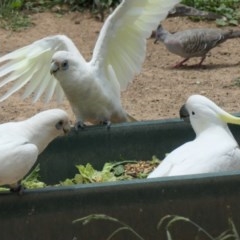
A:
(47, 125)
(203, 113)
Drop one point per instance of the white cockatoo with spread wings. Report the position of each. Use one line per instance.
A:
(53, 65)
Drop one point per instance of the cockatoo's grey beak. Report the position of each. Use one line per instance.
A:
(66, 128)
(184, 113)
(54, 67)
(63, 126)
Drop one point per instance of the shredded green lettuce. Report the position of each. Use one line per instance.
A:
(32, 179)
(111, 171)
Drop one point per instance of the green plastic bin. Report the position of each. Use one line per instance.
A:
(47, 214)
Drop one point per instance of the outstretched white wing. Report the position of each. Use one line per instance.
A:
(121, 46)
(31, 64)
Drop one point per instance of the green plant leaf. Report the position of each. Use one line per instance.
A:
(221, 22)
(233, 22)
(17, 4)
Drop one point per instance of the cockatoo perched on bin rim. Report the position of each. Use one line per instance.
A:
(92, 88)
(213, 150)
(22, 142)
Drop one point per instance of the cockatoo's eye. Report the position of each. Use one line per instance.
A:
(193, 113)
(65, 65)
(59, 125)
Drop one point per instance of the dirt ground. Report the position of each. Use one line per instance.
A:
(158, 92)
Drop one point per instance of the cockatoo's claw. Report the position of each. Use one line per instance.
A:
(19, 189)
(79, 125)
(106, 123)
